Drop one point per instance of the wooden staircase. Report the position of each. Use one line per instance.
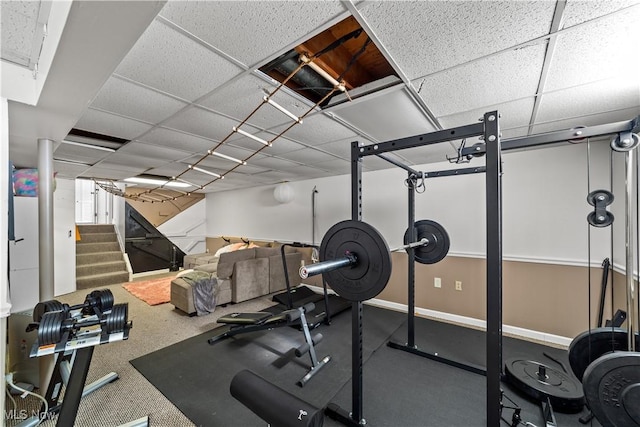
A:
(99, 259)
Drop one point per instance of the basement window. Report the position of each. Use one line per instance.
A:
(344, 53)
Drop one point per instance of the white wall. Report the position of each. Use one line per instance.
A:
(544, 206)
(187, 230)
(64, 237)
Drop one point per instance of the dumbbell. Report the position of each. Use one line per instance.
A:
(53, 324)
(97, 302)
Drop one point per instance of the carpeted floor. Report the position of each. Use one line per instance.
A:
(399, 388)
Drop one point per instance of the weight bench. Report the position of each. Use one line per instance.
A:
(241, 323)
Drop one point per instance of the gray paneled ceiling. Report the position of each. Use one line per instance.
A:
(191, 77)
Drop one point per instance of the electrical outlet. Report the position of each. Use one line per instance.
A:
(437, 282)
(458, 285)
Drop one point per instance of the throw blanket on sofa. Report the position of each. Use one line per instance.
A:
(205, 287)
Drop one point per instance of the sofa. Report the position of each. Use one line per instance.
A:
(242, 274)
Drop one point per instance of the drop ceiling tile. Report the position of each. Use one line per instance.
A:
(337, 166)
(514, 117)
(110, 124)
(511, 75)
(77, 153)
(307, 172)
(435, 35)
(241, 97)
(385, 115)
(579, 11)
(262, 28)
(128, 99)
(424, 155)
(281, 145)
(168, 169)
(316, 129)
(175, 139)
(595, 51)
(342, 148)
(204, 123)
(115, 171)
(135, 148)
(593, 120)
(171, 62)
(68, 170)
(276, 163)
(594, 98)
(308, 156)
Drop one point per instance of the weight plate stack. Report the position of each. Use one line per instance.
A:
(50, 328)
(45, 307)
(116, 320)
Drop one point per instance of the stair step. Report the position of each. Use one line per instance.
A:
(100, 267)
(98, 257)
(88, 248)
(95, 228)
(104, 279)
(97, 238)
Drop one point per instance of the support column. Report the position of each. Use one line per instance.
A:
(45, 217)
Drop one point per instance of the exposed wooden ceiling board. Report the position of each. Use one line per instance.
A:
(596, 50)
(594, 98)
(598, 119)
(171, 62)
(514, 117)
(204, 123)
(180, 140)
(494, 80)
(110, 124)
(577, 11)
(241, 97)
(316, 129)
(261, 28)
(435, 35)
(386, 115)
(128, 99)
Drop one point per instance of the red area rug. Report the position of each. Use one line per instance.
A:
(153, 292)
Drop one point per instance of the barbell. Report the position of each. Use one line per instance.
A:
(357, 260)
(97, 302)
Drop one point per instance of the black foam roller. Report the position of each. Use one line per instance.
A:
(276, 406)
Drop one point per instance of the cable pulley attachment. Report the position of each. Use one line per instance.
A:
(600, 199)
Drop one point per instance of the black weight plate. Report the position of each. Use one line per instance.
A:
(590, 345)
(564, 392)
(606, 221)
(50, 328)
(369, 276)
(98, 302)
(612, 388)
(607, 197)
(116, 320)
(45, 307)
(438, 245)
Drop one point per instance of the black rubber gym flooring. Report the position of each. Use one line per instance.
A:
(400, 389)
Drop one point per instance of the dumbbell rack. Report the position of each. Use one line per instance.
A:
(73, 358)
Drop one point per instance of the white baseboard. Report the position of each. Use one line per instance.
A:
(528, 334)
(150, 273)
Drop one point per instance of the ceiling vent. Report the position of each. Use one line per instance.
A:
(343, 54)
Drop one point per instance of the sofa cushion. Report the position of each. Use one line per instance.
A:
(251, 279)
(209, 268)
(276, 271)
(267, 252)
(228, 260)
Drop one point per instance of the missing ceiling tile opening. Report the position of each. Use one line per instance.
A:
(344, 53)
